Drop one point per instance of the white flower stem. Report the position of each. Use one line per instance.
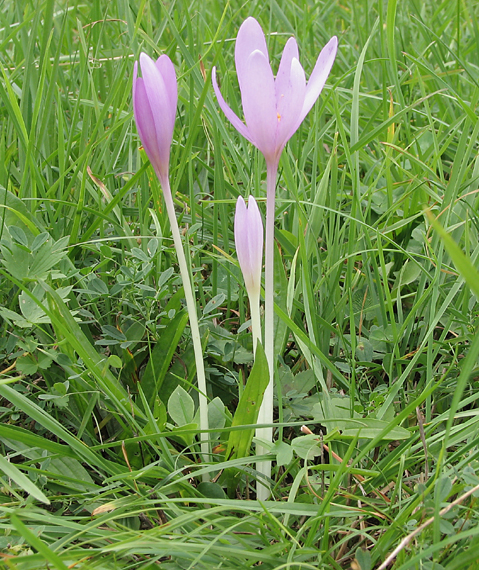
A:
(193, 317)
(255, 318)
(266, 410)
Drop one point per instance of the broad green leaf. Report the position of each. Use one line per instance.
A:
(284, 453)
(23, 264)
(211, 490)
(13, 212)
(306, 446)
(334, 413)
(363, 559)
(27, 364)
(442, 488)
(185, 433)
(181, 407)
(214, 303)
(18, 235)
(216, 414)
(367, 428)
(239, 441)
(98, 286)
(165, 275)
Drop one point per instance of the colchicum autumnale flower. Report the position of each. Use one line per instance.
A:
(249, 248)
(273, 110)
(155, 97)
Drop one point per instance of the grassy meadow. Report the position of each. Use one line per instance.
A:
(376, 298)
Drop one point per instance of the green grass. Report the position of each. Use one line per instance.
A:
(376, 301)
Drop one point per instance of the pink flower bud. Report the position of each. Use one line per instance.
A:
(155, 96)
(249, 243)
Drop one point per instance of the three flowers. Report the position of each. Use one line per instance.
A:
(273, 109)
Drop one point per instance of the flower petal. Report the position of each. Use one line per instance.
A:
(167, 71)
(284, 72)
(161, 109)
(290, 106)
(259, 103)
(230, 115)
(250, 38)
(241, 235)
(145, 123)
(319, 75)
(255, 241)
(248, 229)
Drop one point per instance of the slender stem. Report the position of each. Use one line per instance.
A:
(266, 410)
(193, 317)
(255, 318)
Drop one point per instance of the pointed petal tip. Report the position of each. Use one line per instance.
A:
(144, 58)
(240, 203)
(291, 44)
(250, 31)
(331, 46)
(250, 22)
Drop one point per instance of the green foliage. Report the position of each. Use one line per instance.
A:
(239, 442)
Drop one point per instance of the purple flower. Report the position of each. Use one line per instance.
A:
(249, 243)
(273, 108)
(155, 96)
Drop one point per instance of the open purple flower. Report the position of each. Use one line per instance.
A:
(273, 108)
(249, 243)
(155, 96)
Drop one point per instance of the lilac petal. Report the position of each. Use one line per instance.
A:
(283, 77)
(291, 104)
(248, 229)
(145, 123)
(319, 75)
(241, 236)
(259, 103)
(167, 71)
(250, 38)
(160, 106)
(255, 240)
(239, 228)
(135, 75)
(135, 78)
(230, 115)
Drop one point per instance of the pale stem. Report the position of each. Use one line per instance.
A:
(193, 317)
(266, 410)
(255, 318)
